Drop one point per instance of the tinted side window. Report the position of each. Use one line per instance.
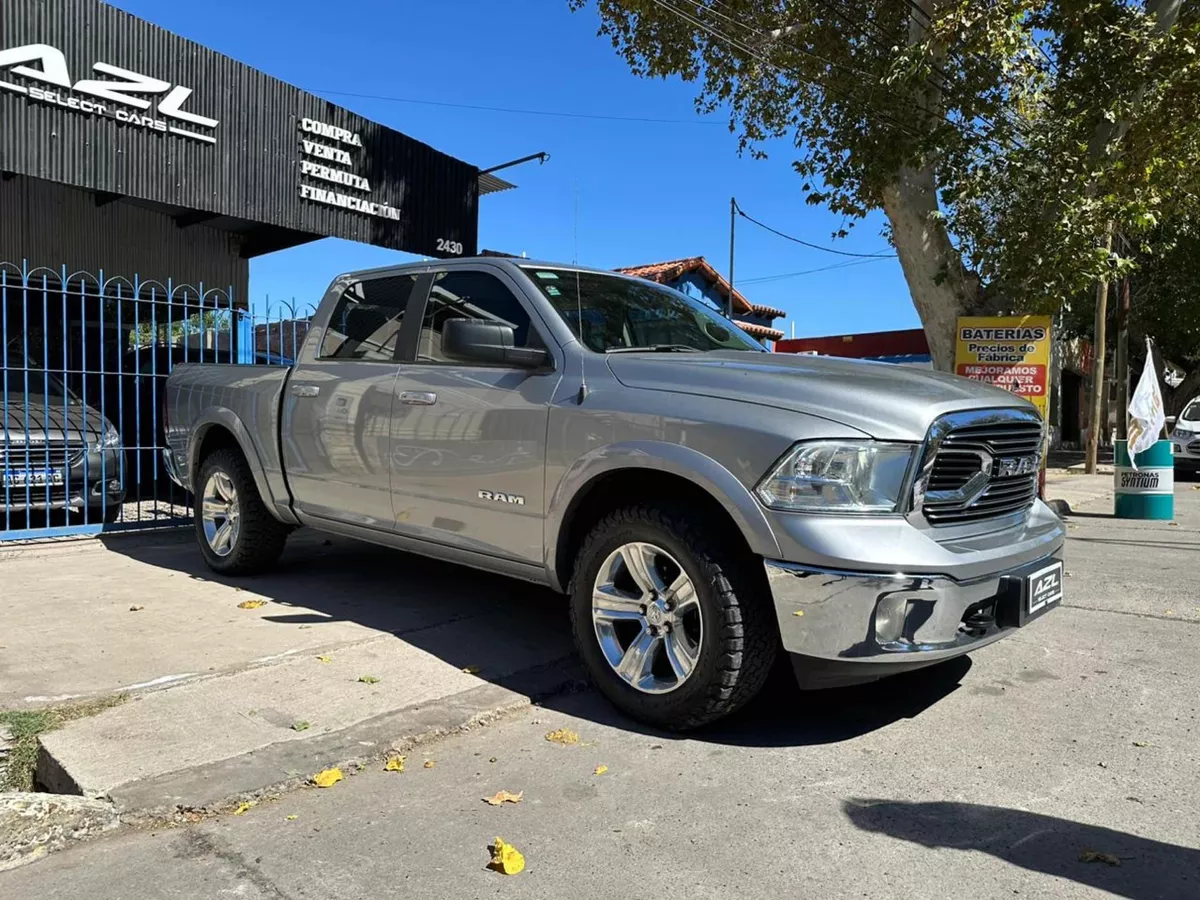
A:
(471, 295)
(366, 321)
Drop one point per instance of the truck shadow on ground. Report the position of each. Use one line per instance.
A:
(1146, 868)
(518, 635)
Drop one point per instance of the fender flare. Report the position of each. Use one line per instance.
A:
(659, 456)
(223, 417)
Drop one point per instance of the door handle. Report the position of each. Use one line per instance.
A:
(418, 398)
(306, 390)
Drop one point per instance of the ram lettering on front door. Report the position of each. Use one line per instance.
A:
(102, 97)
(500, 497)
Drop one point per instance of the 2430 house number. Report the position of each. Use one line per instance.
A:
(454, 248)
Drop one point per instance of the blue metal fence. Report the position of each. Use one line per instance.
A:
(83, 364)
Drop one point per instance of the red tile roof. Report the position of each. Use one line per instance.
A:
(759, 331)
(662, 272)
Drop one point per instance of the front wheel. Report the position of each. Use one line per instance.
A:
(670, 620)
(236, 532)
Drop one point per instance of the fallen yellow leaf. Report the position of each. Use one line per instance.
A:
(506, 858)
(394, 764)
(1093, 856)
(600, 770)
(136, 608)
(1141, 743)
(563, 736)
(502, 797)
(798, 612)
(429, 763)
(244, 808)
(300, 726)
(324, 659)
(251, 604)
(368, 679)
(327, 778)
(471, 670)
(291, 818)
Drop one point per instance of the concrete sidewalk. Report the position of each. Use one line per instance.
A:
(228, 700)
(1079, 490)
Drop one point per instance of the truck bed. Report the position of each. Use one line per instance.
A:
(246, 399)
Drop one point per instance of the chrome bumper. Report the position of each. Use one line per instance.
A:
(847, 627)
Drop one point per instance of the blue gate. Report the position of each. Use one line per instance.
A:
(83, 365)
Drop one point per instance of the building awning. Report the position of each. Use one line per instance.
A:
(490, 184)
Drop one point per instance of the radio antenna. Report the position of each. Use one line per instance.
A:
(583, 389)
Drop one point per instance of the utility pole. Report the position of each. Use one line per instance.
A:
(1123, 361)
(732, 226)
(1093, 447)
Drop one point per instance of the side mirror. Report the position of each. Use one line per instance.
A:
(1170, 420)
(478, 340)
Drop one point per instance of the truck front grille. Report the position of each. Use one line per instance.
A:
(980, 465)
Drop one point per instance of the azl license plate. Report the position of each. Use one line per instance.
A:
(1043, 588)
(19, 478)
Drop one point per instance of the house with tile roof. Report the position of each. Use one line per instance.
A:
(697, 278)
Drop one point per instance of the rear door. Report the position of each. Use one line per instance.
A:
(336, 414)
(469, 440)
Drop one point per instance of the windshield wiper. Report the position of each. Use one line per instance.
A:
(655, 348)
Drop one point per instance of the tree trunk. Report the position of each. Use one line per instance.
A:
(940, 287)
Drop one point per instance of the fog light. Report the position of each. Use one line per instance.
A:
(114, 486)
(889, 618)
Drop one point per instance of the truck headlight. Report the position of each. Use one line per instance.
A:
(838, 476)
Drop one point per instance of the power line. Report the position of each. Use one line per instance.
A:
(763, 279)
(517, 111)
(741, 212)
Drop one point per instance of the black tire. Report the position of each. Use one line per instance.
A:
(260, 536)
(740, 637)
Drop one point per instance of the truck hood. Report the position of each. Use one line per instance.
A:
(883, 400)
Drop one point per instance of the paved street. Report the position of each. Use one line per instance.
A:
(982, 779)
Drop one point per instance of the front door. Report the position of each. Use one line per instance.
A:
(469, 440)
(338, 407)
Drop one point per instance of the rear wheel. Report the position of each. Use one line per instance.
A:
(669, 618)
(236, 532)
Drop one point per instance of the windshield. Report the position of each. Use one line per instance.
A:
(625, 314)
(43, 386)
(1192, 413)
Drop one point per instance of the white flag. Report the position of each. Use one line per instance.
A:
(1145, 410)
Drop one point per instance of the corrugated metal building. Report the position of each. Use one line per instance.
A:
(139, 174)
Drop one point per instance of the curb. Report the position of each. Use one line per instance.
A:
(32, 825)
(1061, 508)
(218, 786)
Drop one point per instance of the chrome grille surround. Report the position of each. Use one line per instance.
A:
(979, 465)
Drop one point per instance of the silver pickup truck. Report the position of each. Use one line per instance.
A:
(704, 503)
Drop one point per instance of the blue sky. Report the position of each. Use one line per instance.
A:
(646, 192)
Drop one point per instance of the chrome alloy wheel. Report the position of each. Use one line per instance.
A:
(220, 513)
(647, 618)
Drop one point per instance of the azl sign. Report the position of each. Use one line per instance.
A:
(125, 96)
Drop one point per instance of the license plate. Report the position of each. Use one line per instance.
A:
(19, 478)
(1044, 588)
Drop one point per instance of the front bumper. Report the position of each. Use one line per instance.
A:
(95, 484)
(845, 627)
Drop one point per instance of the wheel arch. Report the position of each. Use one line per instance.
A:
(221, 428)
(619, 475)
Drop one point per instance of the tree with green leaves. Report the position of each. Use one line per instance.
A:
(1006, 141)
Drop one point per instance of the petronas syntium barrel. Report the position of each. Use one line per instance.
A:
(1147, 492)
